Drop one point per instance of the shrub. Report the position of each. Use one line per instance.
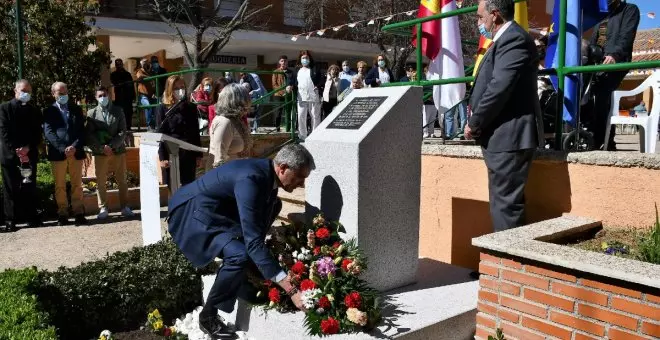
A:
(649, 247)
(118, 291)
(20, 314)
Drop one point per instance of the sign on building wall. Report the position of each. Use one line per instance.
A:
(228, 59)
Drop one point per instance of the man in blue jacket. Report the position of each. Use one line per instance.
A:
(64, 129)
(226, 213)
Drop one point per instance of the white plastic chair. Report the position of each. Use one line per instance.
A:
(648, 134)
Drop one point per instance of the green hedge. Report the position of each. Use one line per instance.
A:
(20, 314)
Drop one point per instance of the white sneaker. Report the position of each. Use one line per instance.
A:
(103, 214)
(127, 212)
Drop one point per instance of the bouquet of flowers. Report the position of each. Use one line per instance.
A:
(326, 269)
(155, 325)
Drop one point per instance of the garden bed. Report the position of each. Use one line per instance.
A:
(625, 242)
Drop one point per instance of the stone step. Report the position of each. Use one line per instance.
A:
(440, 306)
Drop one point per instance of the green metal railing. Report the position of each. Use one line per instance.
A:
(561, 70)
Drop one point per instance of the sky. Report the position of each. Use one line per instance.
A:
(646, 6)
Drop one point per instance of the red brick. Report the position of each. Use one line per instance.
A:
(487, 296)
(508, 315)
(488, 309)
(483, 333)
(616, 334)
(524, 307)
(511, 263)
(607, 316)
(650, 328)
(510, 288)
(484, 320)
(579, 293)
(550, 273)
(488, 283)
(547, 328)
(510, 330)
(577, 323)
(580, 336)
(487, 269)
(636, 308)
(611, 288)
(653, 298)
(550, 300)
(489, 258)
(526, 279)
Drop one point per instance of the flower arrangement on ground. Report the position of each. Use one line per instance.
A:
(326, 269)
(156, 325)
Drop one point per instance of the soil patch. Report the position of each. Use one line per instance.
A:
(618, 242)
(136, 335)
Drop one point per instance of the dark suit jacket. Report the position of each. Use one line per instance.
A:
(621, 32)
(20, 125)
(506, 114)
(234, 201)
(124, 87)
(372, 75)
(59, 135)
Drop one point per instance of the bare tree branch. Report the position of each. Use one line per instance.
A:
(186, 51)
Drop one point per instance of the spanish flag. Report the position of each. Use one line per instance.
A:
(430, 29)
(520, 16)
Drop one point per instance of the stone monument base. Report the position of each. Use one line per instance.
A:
(442, 305)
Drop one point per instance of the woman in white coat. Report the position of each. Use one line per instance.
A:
(307, 80)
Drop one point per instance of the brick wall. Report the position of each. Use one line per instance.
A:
(530, 301)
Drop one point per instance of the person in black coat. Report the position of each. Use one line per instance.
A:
(124, 88)
(181, 123)
(64, 129)
(380, 73)
(616, 35)
(20, 135)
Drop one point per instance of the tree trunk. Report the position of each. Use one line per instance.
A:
(197, 62)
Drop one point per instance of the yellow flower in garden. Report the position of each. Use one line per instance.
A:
(156, 314)
(158, 325)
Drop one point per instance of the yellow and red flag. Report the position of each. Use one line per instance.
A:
(430, 29)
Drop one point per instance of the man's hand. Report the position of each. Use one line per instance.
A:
(107, 150)
(198, 162)
(70, 151)
(297, 301)
(165, 164)
(295, 298)
(468, 132)
(288, 89)
(23, 151)
(609, 60)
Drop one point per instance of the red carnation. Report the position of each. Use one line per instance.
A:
(167, 332)
(268, 283)
(323, 233)
(330, 326)
(336, 245)
(317, 251)
(307, 284)
(298, 268)
(353, 300)
(324, 302)
(345, 263)
(274, 295)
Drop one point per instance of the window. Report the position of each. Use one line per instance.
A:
(228, 8)
(294, 13)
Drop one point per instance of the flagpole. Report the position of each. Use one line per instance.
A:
(419, 53)
(561, 63)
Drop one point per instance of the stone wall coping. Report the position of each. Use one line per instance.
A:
(602, 158)
(531, 242)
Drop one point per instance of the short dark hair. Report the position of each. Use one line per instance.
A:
(119, 60)
(101, 88)
(284, 57)
(505, 7)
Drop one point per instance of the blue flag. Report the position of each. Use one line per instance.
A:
(582, 15)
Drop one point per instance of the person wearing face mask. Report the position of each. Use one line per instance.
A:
(145, 91)
(506, 114)
(181, 123)
(380, 73)
(202, 96)
(20, 136)
(156, 70)
(218, 85)
(331, 90)
(106, 130)
(345, 76)
(279, 80)
(306, 81)
(64, 129)
(124, 90)
(616, 36)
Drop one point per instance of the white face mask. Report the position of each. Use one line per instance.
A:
(347, 69)
(180, 94)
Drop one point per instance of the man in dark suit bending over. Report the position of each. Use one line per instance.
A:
(226, 213)
(506, 114)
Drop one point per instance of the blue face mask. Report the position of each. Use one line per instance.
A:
(207, 88)
(304, 61)
(63, 99)
(24, 97)
(103, 101)
(155, 66)
(484, 32)
(381, 63)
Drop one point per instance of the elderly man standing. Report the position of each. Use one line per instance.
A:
(64, 129)
(106, 129)
(506, 114)
(20, 135)
(227, 213)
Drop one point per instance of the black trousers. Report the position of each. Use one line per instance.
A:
(187, 169)
(231, 278)
(127, 107)
(20, 199)
(507, 177)
(603, 88)
(329, 106)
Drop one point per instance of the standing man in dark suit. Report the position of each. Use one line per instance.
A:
(64, 129)
(616, 35)
(505, 111)
(20, 135)
(124, 89)
(226, 213)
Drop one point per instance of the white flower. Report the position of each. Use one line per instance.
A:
(310, 297)
(320, 311)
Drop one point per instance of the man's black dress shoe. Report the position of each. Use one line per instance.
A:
(10, 227)
(62, 221)
(81, 220)
(215, 327)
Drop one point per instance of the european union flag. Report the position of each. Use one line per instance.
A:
(581, 16)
